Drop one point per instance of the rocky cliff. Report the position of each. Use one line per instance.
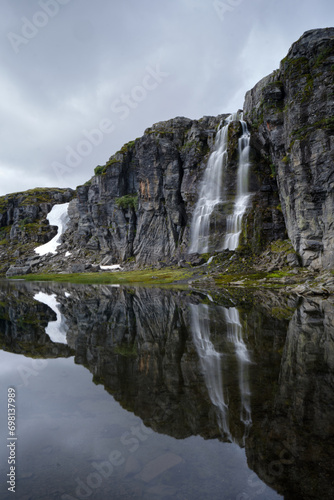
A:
(23, 223)
(290, 113)
(140, 204)
(138, 207)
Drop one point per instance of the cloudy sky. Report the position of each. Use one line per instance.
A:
(79, 78)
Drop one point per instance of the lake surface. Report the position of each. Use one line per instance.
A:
(145, 393)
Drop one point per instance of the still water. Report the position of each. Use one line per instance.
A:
(135, 393)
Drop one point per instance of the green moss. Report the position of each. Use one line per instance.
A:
(127, 147)
(30, 197)
(147, 277)
(323, 55)
(111, 161)
(282, 246)
(127, 201)
(277, 274)
(295, 66)
(276, 83)
(187, 146)
(308, 89)
(99, 170)
(272, 170)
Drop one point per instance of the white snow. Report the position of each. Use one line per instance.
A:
(57, 217)
(55, 329)
(111, 268)
(67, 294)
(67, 254)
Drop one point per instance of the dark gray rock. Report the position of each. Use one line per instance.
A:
(141, 204)
(290, 113)
(18, 271)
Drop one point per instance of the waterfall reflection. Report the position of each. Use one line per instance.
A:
(217, 367)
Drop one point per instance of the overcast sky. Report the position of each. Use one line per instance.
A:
(79, 78)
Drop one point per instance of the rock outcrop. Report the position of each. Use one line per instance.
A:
(23, 225)
(139, 204)
(290, 114)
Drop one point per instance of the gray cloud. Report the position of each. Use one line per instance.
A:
(70, 66)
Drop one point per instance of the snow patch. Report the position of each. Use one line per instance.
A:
(58, 216)
(111, 268)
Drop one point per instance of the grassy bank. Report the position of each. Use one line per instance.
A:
(146, 276)
(198, 277)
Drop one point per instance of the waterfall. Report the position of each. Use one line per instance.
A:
(233, 223)
(212, 187)
(210, 192)
(215, 364)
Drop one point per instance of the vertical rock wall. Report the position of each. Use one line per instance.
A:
(290, 114)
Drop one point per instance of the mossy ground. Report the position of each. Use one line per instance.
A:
(169, 277)
(146, 276)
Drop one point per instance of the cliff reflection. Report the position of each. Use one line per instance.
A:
(260, 375)
(292, 447)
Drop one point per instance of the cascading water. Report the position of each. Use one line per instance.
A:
(212, 188)
(210, 193)
(214, 364)
(233, 223)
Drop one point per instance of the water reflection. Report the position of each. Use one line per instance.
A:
(56, 330)
(211, 364)
(214, 363)
(259, 376)
(235, 335)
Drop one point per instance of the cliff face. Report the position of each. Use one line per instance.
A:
(140, 203)
(139, 206)
(290, 114)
